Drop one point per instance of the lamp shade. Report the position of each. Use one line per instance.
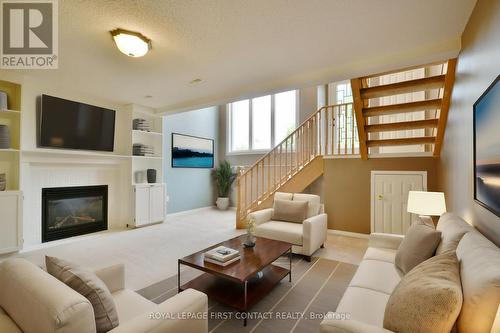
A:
(426, 203)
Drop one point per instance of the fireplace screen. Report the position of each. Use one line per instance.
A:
(72, 211)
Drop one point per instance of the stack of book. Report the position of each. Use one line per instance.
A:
(222, 256)
(140, 149)
(141, 125)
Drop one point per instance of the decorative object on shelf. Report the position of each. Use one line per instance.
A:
(192, 152)
(486, 121)
(141, 125)
(139, 177)
(250, 240)
(3, 100)
(140, 149)
(3, 181)
(4, 137)
(151, 176)
(224, 177)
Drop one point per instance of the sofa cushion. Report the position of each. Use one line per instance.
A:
(6, 324)
(363, 304)
(452, 228)
(428, 299)
(283, 196)
(376, 275)
(38, 302)
(418, 245)
(283, 231)
(130, 304)
(290, 211)
(380, 254)
(89, 285)
(313, 200)
(480, 274)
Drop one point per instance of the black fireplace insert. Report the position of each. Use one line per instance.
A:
(73, 211)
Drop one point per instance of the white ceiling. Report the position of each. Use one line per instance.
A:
(244, 47)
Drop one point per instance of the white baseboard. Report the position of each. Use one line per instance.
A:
(190, 211)
(348, 233)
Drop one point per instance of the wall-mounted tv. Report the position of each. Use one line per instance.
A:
(487, 148)
(72, 125)
(192, 152)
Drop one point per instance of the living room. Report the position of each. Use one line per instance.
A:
(232, 166)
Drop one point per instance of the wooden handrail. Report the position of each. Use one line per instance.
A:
(291, 134)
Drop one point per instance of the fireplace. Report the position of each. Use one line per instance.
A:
(73, 211)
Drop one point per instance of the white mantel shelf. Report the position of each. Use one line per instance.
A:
(56, 156)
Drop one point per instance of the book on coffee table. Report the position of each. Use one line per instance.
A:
(220, 263)
(222, 254)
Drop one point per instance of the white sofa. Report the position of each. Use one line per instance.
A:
(362, 306)
(31, 300)
(306, 237)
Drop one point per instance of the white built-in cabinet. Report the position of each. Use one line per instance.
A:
(149, 204)
(11, 210)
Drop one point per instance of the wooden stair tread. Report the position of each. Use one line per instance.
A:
(402, 125)
(401, 142)
(409, 86)
(431, 104)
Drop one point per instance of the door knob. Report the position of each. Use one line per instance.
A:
(380, 196)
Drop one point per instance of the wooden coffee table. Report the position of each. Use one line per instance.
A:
(239, 285)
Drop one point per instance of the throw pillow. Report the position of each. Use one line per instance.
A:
(290, 211)
(418, 245)
(90, 286)
(428, 299)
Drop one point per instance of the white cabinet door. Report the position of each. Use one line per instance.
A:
(157, 203)
(141, 205)
(389, 199)
(10, 221)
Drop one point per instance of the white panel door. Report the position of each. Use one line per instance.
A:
(389, 199)
(157, 203)
(141, 205)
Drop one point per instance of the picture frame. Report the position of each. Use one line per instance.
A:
(486, 154)
(189, 151)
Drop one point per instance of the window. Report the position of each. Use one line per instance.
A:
(260, 123)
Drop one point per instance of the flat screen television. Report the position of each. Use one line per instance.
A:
(72, 125)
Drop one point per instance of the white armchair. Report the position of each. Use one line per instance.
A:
(306, 237)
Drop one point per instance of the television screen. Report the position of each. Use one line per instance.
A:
(73, 125)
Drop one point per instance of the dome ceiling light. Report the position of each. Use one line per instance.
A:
(133, 44)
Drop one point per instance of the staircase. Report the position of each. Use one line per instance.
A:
(407, 109)
(374, 109)
(297, 161)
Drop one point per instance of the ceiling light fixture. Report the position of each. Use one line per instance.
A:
(133, 44)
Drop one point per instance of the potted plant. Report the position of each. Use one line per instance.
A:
(224, 177)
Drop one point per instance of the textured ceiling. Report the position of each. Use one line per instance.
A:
(244, 47)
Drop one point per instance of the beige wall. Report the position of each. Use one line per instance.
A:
(478, 65)
(347, 187)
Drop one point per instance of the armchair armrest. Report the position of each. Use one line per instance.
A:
(113, 277)
(348, 326)
(261, 216)
(386, 241)
(186, 312)
(314, 233)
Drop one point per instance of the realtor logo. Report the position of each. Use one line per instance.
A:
(29, 34)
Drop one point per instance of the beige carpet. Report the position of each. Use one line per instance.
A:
(316, 289)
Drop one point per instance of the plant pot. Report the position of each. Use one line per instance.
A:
(222, 203)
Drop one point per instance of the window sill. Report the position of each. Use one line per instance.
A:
(248, 152)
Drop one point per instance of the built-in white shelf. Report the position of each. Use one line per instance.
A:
(9, 150)
(10, 112)
(147, 133)
(72, 153)
(148, 157)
